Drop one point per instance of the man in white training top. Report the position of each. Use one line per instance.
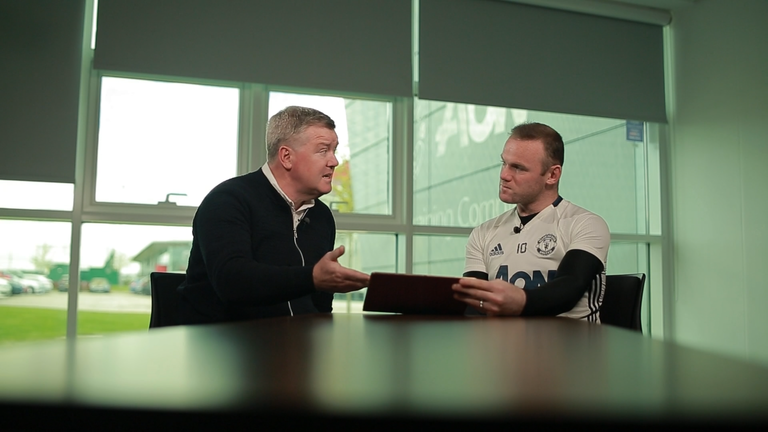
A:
(546, 256)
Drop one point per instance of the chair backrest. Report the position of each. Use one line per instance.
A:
(165, 298)
(622, 301)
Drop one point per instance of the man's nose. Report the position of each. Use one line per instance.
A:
(506, 174)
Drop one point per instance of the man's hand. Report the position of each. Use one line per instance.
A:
(494, 297)
(330, 276)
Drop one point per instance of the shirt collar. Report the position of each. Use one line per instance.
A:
(271, 177)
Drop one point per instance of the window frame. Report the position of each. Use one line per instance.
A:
(251, 154)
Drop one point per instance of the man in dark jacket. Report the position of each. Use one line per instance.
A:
(263, 242)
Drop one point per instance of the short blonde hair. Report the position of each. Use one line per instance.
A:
(290, 122)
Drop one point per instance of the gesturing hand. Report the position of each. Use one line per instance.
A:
(328, 275)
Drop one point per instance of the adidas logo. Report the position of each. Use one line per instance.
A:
(497, 250)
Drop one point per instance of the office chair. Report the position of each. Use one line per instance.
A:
(622, 301)
(165, 298)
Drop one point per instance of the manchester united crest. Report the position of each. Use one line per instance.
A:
(546, 244)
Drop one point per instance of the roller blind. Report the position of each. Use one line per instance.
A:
(349, 45)
(499, 53)
(41, 51)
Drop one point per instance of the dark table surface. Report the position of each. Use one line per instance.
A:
(376, 370)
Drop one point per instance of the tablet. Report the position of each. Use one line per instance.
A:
(412, 294)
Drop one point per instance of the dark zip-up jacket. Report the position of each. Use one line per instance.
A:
(246, 260)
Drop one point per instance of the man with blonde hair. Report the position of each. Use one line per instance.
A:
(263, 242)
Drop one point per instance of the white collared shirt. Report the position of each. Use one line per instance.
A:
(298, 214)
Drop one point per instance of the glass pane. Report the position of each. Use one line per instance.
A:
(456, 164)
(160, 138)
(366, 252)
(603, 171)
(115, 264)
(627, 258)
(439, 255)
(362, 182)
(33, 297)
(36, 195)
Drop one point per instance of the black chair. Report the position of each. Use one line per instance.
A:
(165, 298)
(622, 301)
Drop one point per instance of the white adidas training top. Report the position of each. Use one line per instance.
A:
(530, 258)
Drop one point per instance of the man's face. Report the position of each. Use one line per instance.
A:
(314, 161)
(523, 178)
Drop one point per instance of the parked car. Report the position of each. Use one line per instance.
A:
(36, 284)
(140, 286)
(99, 284)
(5, 287)
(15, 281)
(63, 283)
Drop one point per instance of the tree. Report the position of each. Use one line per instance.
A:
(120, 260)
(341, 195)
(40, 260)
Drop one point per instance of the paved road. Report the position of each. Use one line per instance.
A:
(118, 302)
(87, 301)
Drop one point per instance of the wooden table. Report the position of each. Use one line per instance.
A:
(369, 371)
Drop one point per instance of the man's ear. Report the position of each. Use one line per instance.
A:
(285, 157)
(553, 174)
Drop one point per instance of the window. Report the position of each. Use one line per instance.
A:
(34, 257)
(455, 162)
(439, 255)
(154, 139)
(115, 264)
(161, 141)
(456, 165)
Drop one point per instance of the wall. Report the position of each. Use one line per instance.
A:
(718, 112)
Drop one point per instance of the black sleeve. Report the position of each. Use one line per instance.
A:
(575, 273)
(323, 301)
(476, 274)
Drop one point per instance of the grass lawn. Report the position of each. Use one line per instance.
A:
(120, 288)
(29, 324)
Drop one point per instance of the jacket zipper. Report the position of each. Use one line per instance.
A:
(295, 243)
